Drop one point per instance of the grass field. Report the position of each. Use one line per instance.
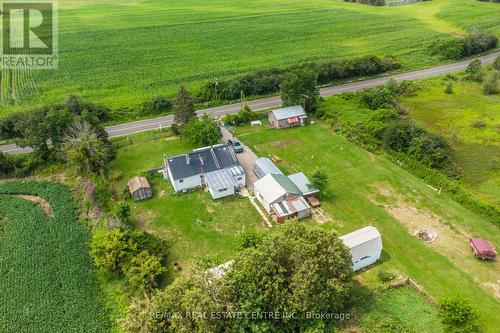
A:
(366, 189)
(193, 224)
(47, 282)
(477, 148)
(391, 307)
(122, 52)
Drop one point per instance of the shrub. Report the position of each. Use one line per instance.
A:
(386, 276)
(379, 98)
(400, 136)
(155, 105)
(202, 132)
(496, 63)
(449, 88)
(458, 315)
(243, 117)
(490, 87)
(474, 71)
(447, 48)
(478, 124)
(478, 42)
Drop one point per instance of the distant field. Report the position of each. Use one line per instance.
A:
(122, 52)
(454, 115)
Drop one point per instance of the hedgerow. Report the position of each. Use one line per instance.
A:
(47, 282)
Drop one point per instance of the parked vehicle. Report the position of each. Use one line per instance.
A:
(482, 248)
(237, 146)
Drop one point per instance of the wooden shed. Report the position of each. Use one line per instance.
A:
(139, 188)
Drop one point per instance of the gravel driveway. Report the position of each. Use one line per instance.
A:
(247, 159)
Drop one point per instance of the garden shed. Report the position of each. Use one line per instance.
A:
(139, 188)
(365, 246)
(288, 117)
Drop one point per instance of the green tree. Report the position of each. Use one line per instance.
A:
(202, 132)
(122, 211)
(82, 147)
(143, 270)
(183, 107)
(474, 71)
(300, 86)
(319, 179)
(110, 250)
(458, 316)
(296, 270)
(496, 63)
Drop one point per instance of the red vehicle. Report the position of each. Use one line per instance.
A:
(482, 248)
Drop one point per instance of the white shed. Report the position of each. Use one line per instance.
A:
(365, 246)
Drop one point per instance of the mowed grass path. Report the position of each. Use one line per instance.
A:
(453, 115)
(367, 189)
(122, 52)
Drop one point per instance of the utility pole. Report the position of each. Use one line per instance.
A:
(216, 85)
(305, 100)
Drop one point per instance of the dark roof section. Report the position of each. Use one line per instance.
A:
(201, 161)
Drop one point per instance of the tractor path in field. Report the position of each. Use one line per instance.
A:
(273, 102)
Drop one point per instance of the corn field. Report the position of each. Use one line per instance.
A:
(16, 85)
(47, 283)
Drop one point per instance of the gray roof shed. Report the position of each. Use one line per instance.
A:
(289, 112)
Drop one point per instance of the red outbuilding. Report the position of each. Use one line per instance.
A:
(482, 248)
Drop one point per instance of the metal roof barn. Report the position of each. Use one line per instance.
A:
(289, 112)
(302, 182)
(365, 246)
(264, 166)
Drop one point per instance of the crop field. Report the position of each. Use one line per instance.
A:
(47, 282)
(121, 53)
(398, 204)
(471, 123)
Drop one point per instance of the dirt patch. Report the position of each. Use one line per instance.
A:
(432, 230)
(285, 143)
(319, 215)
(40, 201)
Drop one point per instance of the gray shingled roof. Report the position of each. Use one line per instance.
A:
(289, 112)
(202, 161)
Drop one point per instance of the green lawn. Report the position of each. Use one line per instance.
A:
(391, 306)
(193, 223)
(122, 52)
(454, 115)
(366, 189)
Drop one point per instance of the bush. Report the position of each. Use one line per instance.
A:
(386, 276)
(449, 88)
(379, 98)
(496, 63)
(478, 124)
(268, 81)
(474, 71)
(458, 316)
(456, 48)
(400, 136)
(243, 117)
(490, 87)
(155, 105)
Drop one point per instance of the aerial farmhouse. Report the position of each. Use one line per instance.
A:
(215, 167)
(288, 117)
(365, 246)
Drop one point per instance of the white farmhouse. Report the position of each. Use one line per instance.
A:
(365, 246)
(215, 167)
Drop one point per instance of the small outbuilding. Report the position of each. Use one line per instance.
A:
(365, 246)
(288, 117)
(482, 248)
(139, 188)
(294, 207)
(264, 166)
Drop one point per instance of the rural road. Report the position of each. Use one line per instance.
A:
(271, 102)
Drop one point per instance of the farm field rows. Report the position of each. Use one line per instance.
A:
(122, 53)
(477, 147)
(47, 282)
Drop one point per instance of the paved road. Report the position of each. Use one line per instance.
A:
(271, 102)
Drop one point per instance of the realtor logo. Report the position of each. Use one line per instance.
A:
(29, 34)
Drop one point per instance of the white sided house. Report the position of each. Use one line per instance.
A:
(215, 167)
(365, 246)
(288, 117)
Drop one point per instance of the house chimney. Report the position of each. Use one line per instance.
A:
(188, 159)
